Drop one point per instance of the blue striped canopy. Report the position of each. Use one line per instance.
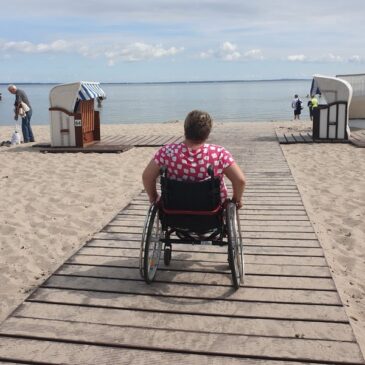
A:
(90, 90)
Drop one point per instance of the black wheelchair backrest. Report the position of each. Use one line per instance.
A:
(189, 195)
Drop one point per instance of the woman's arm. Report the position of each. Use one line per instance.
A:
(238, 180)
(149, 178)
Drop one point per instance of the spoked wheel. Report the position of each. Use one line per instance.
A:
(167, 255)
(235, 252)
(151, 245)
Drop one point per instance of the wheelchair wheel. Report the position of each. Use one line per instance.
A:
(235, 252)
(167, 255)
(151, 245)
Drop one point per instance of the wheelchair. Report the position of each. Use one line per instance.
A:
(190, 213)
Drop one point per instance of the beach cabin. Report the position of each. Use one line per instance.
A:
(357, 106)
(74, 122)
(330, 120)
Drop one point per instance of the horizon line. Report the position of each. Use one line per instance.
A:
(160, 82)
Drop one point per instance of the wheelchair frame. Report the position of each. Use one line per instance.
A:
(157, 233)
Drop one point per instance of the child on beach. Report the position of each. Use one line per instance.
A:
(190, 159)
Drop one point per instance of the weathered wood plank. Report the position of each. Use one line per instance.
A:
(289, 138)
(214, 258)
(193, 306)
(200, 278)
(252, 249)
(203, 324)
(307, 138)
(190, 341)
(276, 235)
(218, 254)
(245, 227)
(253, 223)
(253, 269)
(194, 291)
(51, 352)
(279, 246)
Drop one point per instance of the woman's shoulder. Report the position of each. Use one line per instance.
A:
(216, 147)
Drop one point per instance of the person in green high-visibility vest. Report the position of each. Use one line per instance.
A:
(312, 104)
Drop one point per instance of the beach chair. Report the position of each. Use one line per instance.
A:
(190, 213)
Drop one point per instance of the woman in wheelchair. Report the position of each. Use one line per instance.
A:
(194, 204)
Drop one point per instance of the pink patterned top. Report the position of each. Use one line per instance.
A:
(183, 163)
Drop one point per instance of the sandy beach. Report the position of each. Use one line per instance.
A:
(52, 203)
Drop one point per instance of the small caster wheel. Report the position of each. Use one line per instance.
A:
(167, 255)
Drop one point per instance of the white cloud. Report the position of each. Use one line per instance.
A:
(139, 52)
(326, 58)
(113, 52)
(29, 47)
(356, 59)
(229, 52)
(253, 54)
(297, 57)
(228, 47)
(206, 54)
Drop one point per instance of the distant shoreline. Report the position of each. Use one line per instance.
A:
(163, 82)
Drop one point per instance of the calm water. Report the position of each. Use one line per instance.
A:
(149, 103)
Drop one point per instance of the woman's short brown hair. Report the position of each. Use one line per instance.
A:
(197, 126)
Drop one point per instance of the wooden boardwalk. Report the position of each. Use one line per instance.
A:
(357, 138)
(111, 144)
(97, 310)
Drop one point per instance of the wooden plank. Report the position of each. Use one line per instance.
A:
(247, 205)
(200, 278)
(298, 138)
(136, 236)
(147, 319)
(245, 227)
(307, 138)
(193, 306)
(289, 138)
(194, 291)
(269, 211)
(290, 224)
(250, 268)
(281, 138)
(89, 149)
(278, 235)
(279, 242)
(253, 216)
(191, 342)
(214, 258)
(252, 249)
(281, 235)
(78, 353)
(217, 254)
(270, 246)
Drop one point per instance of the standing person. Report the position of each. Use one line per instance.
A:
(296, 104)
(310, 109)
(314, 102)
(21, 110)
(189, 160)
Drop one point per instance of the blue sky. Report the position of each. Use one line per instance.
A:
(176, 40)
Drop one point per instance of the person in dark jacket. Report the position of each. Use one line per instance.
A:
(23, 109)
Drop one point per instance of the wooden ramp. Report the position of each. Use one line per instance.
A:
(298, 137)
(114, 144)
(96, 309)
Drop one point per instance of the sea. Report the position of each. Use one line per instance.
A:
(226, 101)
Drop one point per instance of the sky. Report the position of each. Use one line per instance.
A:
(179, 40)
